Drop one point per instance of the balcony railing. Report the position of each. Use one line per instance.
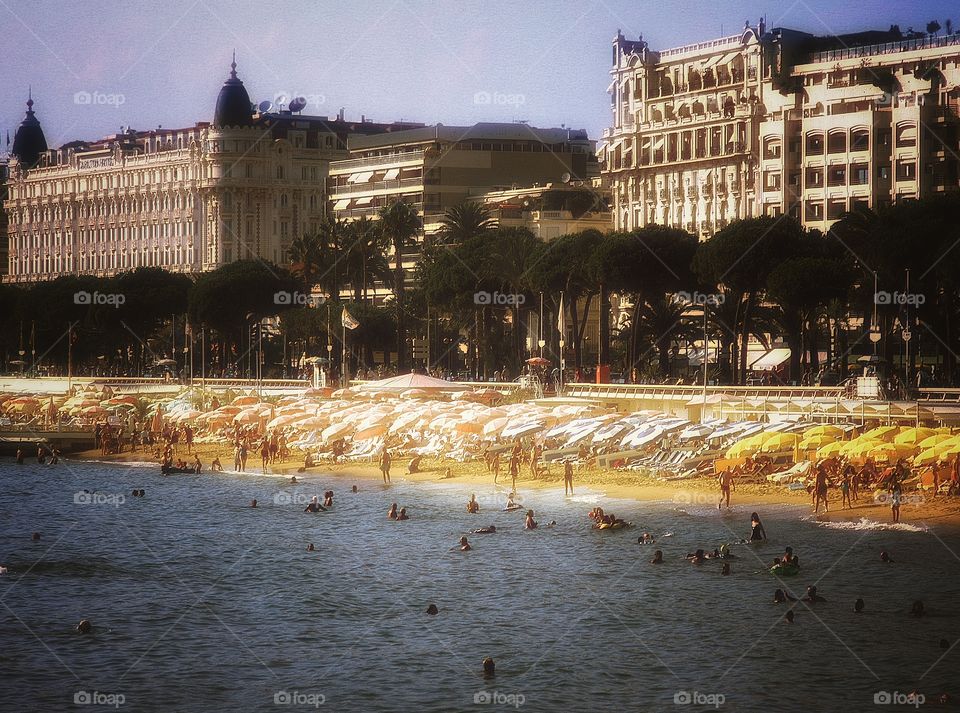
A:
(388, 161)
(885, 48)
(351, 189)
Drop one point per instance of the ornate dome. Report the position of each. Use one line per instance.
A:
(233, 102)
(29, 141)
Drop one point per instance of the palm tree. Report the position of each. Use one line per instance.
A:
(400, 224)
(365, 256)
(307, 258)
(465, 220)
(332, 233)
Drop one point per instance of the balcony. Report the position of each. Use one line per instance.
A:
(388, 161)
(352, 189)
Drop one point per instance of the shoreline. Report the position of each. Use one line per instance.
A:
(942, 512)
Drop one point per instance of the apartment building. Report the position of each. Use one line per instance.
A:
(551, 210)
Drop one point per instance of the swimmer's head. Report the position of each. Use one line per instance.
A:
(858, 605)
(35, 536)
(489, 667)
(432, 610)
(84, 627)
(253, 503)
(463, 540)
(790, 616)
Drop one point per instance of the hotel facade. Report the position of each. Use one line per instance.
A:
(187, 200)
(779, 121)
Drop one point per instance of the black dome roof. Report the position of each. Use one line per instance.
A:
(233, 102)
(29, 141)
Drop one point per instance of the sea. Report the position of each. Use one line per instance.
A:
(200, 603)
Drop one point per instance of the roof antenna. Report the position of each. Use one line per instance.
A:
(233, 64)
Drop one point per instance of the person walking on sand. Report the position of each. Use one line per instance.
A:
(568, 478)
(845, 486)
(514, 471)
(265, 453)
(820, 490)
(726, 484)
(385, 464)
(496, 467)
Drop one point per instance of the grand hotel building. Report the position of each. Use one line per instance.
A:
(187, 200)
(779, 121)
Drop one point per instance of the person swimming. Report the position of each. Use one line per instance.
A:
(789, 616)
(725, 570)
(697, 557)
(917, 609)
(353, 489)
(314, 505)
(328, 499)
(392, 512)
(432, 610)
(757, 532)
(84, 627)
(473, 507)
(216, 465)
(253, 503)
(488, 530)
(858, 605)
(812, 596)
(464, 545)
(489, 668)
(657, 557)
(780, 596)
(530, 523)
(293, 480)
(885, 557)
(310, 547)
(790, 558)
(402, 515)
(645, 539)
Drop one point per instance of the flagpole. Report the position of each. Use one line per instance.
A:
(560, 328)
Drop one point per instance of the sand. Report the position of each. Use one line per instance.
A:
(940, 511)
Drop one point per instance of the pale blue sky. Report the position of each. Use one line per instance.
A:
(148, 62)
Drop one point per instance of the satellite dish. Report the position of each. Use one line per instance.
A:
(565, 178)
(265, 106)
(297, 104)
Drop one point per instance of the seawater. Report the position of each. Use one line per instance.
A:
(200, 603)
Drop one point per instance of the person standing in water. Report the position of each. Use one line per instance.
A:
(820, 490)
(726, 485)
(385, 464)
(530, 523)
(757, 533)
(568, 478)
(895, 497)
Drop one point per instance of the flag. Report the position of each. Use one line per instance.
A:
(560, 325)
(347, 320)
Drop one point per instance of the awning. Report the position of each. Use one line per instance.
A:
(392, 174)
(771, 360)
(712, 61)
(360, 177)
(341, 204)
(364, 201)
(729, 57)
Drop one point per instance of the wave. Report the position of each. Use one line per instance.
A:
(867, 524)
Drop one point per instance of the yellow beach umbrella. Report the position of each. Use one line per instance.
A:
(934, 440)
(830, 450)
(825, 429)
(890, 451)
(882, 433)
(927, 457)
(913, 436)
(780, 442)
(810, 443)
(747, 446)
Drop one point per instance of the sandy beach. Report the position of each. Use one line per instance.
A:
(627, 485)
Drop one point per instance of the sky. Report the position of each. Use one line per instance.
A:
(97, 65)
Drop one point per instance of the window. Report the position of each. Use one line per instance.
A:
(771, 148)
(814, 178)
(835, 208)
(815, 144)
(837, 176)
(906, 135)
(859, 140)
(814, 210)
(771, 180)
(859, 174)
(906, 170)
(837, 142)
(883, 173)
(280, 172)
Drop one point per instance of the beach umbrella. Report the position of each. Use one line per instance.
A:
(245, 401)
(913, 436)
(495, 426)
(834, 432)
(810, 443)
(538, 361)
(336, 430)
(522, 429)
(890, 451)
(928, 457)
(414, 394)
(882, 433)
(780, 442)
(830, 450)
(94, 411)
(934, 440)
(373, 431)
(696, 431)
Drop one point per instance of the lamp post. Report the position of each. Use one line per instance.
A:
(540, 341)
